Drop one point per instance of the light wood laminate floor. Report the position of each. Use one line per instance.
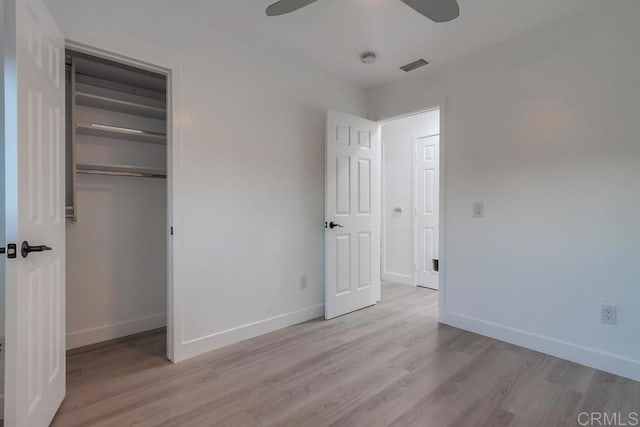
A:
(391, 364)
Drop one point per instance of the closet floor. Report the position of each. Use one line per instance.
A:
(391, 364)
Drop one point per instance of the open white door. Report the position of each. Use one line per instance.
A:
(352, 212)
(34, 113)
(427, 181)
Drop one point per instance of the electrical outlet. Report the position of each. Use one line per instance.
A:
(303, 282)
(478, 210)
(1, 348)
(609, 314)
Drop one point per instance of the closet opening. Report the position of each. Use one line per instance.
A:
(117, 203)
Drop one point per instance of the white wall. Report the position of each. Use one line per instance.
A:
(398, 159)
(544, 130)
(116, 251)
(248, 167)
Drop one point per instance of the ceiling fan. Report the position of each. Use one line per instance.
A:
(436, 10)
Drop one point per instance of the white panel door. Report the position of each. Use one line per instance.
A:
(427, 183)
(352, 212)
(34, 160)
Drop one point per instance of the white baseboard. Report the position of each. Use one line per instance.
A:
(116, 330)
(593, 358)
(230, 336)
(397, 278)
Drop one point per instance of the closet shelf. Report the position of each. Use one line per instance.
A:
(155, 138)
(120, 106)
(120, 170)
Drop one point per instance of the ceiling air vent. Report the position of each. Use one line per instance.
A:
(413, 65)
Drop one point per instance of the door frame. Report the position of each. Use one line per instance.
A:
(174, 333)
(441, 105)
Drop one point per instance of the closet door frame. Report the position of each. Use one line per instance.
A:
(174, 313)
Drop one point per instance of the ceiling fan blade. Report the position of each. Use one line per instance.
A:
(285, 6)
(436, 10)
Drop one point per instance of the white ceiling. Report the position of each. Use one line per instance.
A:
(331, 34)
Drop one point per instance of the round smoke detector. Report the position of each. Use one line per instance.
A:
(368, 58)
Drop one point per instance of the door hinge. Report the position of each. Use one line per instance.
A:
(436, 265)
(171, 230)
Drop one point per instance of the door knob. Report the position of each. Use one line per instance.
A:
(333, 225)
(26, 249)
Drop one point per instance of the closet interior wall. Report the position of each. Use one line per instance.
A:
(116, 200)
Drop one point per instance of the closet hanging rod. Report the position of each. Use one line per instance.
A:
(129, 174)
(114, 133)
(117, 170)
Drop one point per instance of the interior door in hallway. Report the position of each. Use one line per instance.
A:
(427, 199)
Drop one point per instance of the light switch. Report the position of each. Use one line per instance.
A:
(478, 210)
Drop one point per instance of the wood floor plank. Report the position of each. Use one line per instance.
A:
(391, 364)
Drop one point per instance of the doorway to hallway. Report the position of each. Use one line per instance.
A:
(411, 199)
